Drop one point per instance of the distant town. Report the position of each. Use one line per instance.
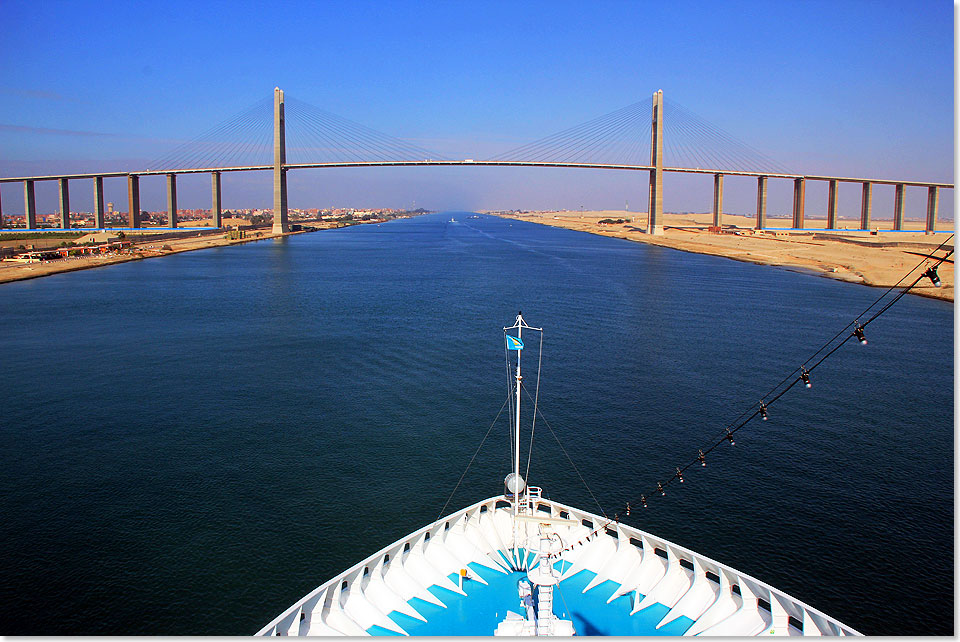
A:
(51, 249)
(204, 217)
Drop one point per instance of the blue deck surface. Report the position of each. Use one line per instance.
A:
(486, 605)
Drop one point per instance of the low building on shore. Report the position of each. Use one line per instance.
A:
(98, 237)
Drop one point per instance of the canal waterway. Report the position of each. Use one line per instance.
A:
(190, 444)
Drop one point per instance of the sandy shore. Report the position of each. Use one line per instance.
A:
(860, 257)
(141, 249)
(878, 260)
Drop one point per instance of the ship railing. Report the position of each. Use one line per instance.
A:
(534, 494)
(797, 614)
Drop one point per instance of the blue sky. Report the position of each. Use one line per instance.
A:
(846, 88)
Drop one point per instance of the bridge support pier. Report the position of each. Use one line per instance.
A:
(717, 200)
(133, 200)
(30, 204)
(866, 205)
(933, 200)
(798, 202)
(172, 200)
(898, 207)
(64, 186)
(655, 206)
(832, 206)
(98, 202)
(280, 222)
(215, 208)
(761, 202)
(1, 212)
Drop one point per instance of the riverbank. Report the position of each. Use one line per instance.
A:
(878, 260)
(143, 247)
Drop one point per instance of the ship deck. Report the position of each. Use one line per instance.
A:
(613, 580)
(484, 606)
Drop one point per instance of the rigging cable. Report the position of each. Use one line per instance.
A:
(804, 377)
(577, 470)
(447, 503)
(533, 428)
(844, 329)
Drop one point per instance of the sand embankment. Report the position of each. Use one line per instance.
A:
(860, 257)
(143, 248)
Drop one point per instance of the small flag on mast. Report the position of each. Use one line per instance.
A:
(514, 343)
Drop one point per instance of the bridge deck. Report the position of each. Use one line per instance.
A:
(434, 163)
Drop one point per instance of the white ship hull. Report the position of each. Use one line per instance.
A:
(409, 587)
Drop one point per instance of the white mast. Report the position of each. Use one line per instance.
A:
(516, 450)
(518, 483)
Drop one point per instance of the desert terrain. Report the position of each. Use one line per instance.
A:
(877, 259)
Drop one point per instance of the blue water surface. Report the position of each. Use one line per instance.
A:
(191, 443)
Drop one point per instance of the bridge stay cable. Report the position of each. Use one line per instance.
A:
(318, 139)
(369, 144)
(220, 143)
(325, 134)
(242, 144)
(310, 138)
(340, 139)
(254, 147)
(712, 138)
(717, 154)
(582, 143)
(623, 137)
(310, 124)
(611, 138)
(558, 147)
(585, 145)
(243, 134)
(680, 149)
(315, 135)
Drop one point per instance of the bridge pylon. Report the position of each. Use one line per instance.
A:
(281, 224)
(655, 206)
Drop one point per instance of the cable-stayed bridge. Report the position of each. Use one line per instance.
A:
(653, 136)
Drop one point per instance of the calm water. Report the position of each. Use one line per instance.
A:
(190, 444)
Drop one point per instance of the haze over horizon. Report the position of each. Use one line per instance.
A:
(858, 89)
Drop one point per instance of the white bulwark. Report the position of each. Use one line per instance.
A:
(650, 570)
